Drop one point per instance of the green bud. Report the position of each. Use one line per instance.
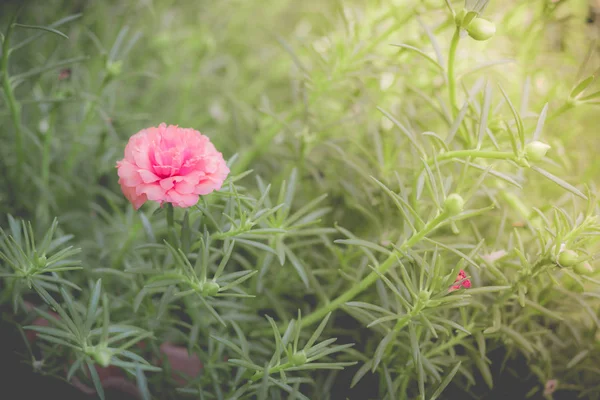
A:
(454, 204)
(481, 29)
(41, 261)
(584, 268)
(535, 151)
(424, 296)
(102, 356)
(298, 358)
(114, 68)
(210, 288)
(567, 258)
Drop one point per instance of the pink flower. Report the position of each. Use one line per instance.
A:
(169, 164)
(550, 387)
(464, 282)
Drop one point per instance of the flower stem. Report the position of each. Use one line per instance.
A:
(14, 106)
(190, 307)
(497, 155)
(368, 280)
(451, 73)
(170, 212)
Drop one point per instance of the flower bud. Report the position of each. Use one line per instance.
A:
(210, 288)
(454, 204)
(550, 387)
(43, 125)
(481, 29)
(41, 261)
(584, 268)
(567, 258)
(102, 356)
(298, 358)
(535, 151)
(114, 68)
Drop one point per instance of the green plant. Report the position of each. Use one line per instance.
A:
(379, 159)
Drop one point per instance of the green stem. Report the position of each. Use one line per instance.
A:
(45, 169)
(190, 307)
(451, 72)
(564, 108)
(170, 212)
(13, 105)
(367, 281)
(46, 151)
(274, 370)
(497, 155)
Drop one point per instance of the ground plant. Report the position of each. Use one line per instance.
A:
(326, 199)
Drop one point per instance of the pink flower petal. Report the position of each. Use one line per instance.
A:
(129, 174)
(182, 200)
(136, 199)
(147, 176)
(167, 183)
(170, 164)
(185, 187)
(153, 191)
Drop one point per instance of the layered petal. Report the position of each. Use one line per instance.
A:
(169, 164)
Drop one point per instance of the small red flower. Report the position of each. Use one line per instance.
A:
(461, 281)
(64, 74)
(550, 387)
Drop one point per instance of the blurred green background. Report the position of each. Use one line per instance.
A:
(279, 82)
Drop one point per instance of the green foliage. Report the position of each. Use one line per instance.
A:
(377, 149)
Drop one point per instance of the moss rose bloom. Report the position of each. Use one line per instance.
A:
(461, 281)
(168, 164)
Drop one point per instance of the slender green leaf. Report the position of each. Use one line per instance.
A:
(93, 306)
(403, 129)
(559, 182)
(447, 379)
(43, 28)
(581, 86)
(424, 55)
(540, 123)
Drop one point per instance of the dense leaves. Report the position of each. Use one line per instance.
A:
(382, 153)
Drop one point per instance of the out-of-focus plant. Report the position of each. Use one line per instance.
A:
(412, 195)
